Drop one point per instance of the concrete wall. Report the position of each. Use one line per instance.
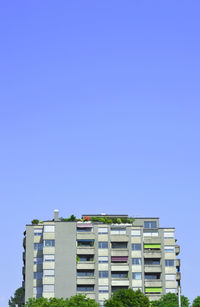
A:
(65, 259)
(29, 263)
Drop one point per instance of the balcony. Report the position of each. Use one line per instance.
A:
(152, 269)
(178, 262)
(85, 265)
(85, 236)
(120, 282)
(85, 250)
(119, 238)
(119, 252)
(23, 270)
(152, 240)
(177, 249)
(152, 253)
(24, 257)
(178, 276)
(153, 283)
(85, 280)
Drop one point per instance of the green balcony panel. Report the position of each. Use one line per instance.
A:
(152, 245)
(153, 290)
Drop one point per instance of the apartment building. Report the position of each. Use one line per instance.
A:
(63, 258)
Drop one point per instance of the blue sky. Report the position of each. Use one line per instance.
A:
(99, 112)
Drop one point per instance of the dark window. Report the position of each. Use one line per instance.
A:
(103, 244)
(150, 224)
(86, 229)
(85, 273)
(155, 261)
(136, 247)
(119, 244)
(103, 274)
(85, 258)
(119, 274)
(86, 288)
(49, 243)
(152, 276)
(169, 262)
(86, 243)
(137, 275)
(136, 261)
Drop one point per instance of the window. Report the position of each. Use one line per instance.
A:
(85, 258)
(150, 224)
(103, 244)
(137, 275)
(49, 273)
(49, 228)
(49, 243)
(37, 260)
(154, 261)
(84, 229)
(119, 244)
(102, 230)
(37, 291)
(82, 273)
(103, 274)
(37, 275)
(170, 277)
(48, 258)
(103, 259)
(48, 288)
(86, 288)
(169, 235)
(38, 231)
(136, 261)
(119, 274)
(118, 231)
(38, 246)
(135, 232)
(136, 247)
(169, 249)
(152, 233)
(103, 289)
(169, 262)
(85, 243)
(152, 276)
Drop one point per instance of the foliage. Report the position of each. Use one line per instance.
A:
(127, 298)
(170, 300)
(196, 302)
(115, 220)
(77, 258)
(87, 218)
(35, 222)
(74, 301)
(18, 298)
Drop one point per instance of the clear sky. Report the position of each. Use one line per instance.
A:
(100, 108)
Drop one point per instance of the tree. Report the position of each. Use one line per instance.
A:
(196, 302)
(74, 301)
(170, 300)
(35, 222)
(127, 298)
(18, 298)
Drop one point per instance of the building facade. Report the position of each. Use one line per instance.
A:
(63, 258)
